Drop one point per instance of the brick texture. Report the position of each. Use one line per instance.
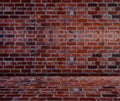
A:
(57, 88)
(59, 37)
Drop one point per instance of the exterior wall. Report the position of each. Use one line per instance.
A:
(53, 37)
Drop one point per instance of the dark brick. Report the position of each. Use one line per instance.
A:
(9, 12)
(26, 1)
(8, 59)
(19, 59)
(117, 63)
(92, 67)
(97, 63)
(14, 16)
(97, 55)
(30, 43)
(78, 1)
(92, 4)
(115, 55)
(50, 67)
(112, 67)
(117, 8)
(1, 36)
(97, 8)
(1, 43)
(112, 4)
(106, 87)
(109, 95)
(116, 16)
(10, 36)
(9, 43)
(4, 55)
(4, 0)
(30, 28)
(15, 1)
(97, 16)
(14, 55)
(56, 1)
(4, 16)
(20, 12)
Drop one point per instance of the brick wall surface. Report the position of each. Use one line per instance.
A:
(59, 37)
(57, 88)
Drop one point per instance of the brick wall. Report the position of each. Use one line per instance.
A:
(76, 37)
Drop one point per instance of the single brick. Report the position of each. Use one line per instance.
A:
(92, 67)
(26, 1)
(4, 0)
(117, 63)
(1, 36)
(97, 16)
(112, 4)
(92, 4)
(109, 95)
(4, 55)
(116, 55)
(97, 55)
(116, 16)
(112, 67)
(10, 36)
(56, 1)
(15, 0)
(117, 8)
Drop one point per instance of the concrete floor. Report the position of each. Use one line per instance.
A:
(60, 88)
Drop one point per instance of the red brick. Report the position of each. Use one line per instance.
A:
(57, 88)
(42, 34)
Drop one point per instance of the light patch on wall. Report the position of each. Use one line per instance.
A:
(72, 12)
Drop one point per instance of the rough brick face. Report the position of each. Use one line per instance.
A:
(67, 37)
